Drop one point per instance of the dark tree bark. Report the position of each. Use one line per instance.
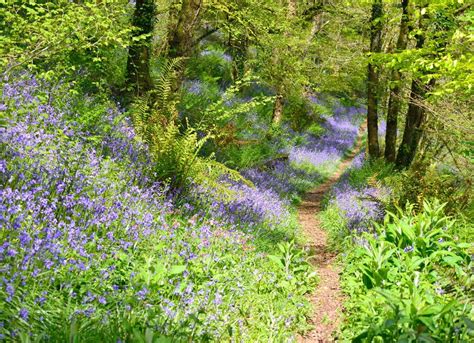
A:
(414, 119)
(413, 130)
(138, 62)
(394, 101)
(373, 79)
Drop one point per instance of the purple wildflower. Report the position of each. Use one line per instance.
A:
(24, 313)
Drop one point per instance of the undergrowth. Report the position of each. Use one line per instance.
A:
(94, 250)
(409, 280)
(406, 268)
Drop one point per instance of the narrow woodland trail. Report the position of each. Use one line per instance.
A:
(327, 299)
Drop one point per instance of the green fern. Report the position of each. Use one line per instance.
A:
(175, 151)
(162, 96)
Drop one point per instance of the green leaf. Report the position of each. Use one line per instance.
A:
(276, 259)
(449, 306)
(149, 333)
(469, 323)
(452, 260)
(430, 310)
(164, 339)
(178, 269)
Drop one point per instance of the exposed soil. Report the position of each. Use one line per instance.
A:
(327, 299)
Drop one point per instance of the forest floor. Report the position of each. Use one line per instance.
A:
(327, 299)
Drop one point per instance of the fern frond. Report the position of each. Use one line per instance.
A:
(164, 99)
(176, 152)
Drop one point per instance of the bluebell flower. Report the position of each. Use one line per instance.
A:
(24, 314)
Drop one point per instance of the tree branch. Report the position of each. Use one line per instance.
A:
(207, 34)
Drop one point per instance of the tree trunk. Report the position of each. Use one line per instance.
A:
(394, 100)
(413, 123)
(238, 50)
(278, 109)
(373, 79)
(414, 119)
(138, 62)
(317, 23)
(292, 8)
(181, 40)
(278, 106)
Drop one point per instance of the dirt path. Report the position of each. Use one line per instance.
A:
(327, 299)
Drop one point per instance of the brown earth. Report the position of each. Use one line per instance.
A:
(327, 299)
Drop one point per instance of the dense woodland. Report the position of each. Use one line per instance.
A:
(159, 159)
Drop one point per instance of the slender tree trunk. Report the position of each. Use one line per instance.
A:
(292, 8)
(395, 94)
(317, 23)
(373, 79)
(278, 105)
(413, 123)
(414, 119)
(138, 62)
(278, 109)
(238, 46)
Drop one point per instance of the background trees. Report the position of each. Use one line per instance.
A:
(62, 37)
(417, 53)
(412, 68)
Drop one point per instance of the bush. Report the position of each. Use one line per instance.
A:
(315, 130)
(175, 150)
(433, 180)
(248, 155)
(407, 275)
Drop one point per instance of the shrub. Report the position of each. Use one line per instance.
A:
(434, 180)
(174, 149)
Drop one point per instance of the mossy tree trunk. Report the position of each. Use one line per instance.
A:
(278, 109)
(181, 38)
(238, 46)
(181, 33)
(138, 63)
